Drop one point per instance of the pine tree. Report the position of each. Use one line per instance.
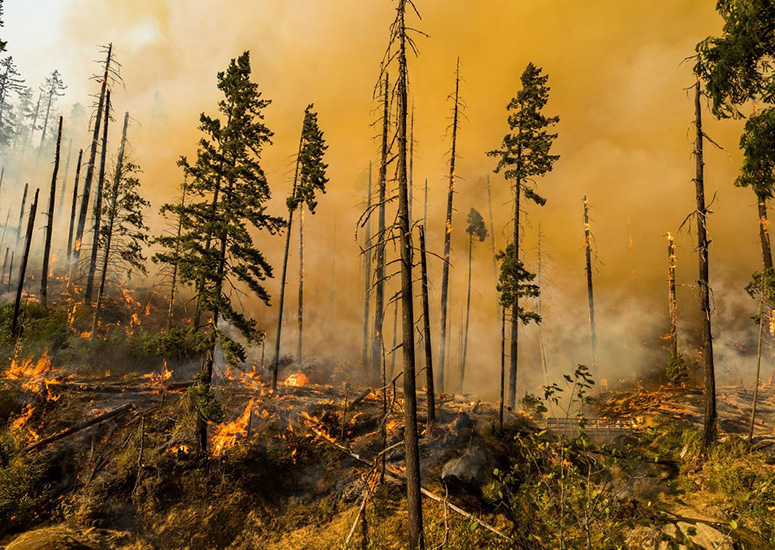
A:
(476, 228)
(525, 154)
(312, 179)
(52, 89)
(229, 193)
(10, 83)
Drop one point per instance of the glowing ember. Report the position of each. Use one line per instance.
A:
(298, 380)
(226, 435)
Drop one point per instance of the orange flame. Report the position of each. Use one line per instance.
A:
(226, 435)
(298, 380)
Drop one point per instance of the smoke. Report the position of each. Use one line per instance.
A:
(618, 81)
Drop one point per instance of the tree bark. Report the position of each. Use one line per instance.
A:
(503, 368)
(50, 223)
(10, 272)
(672, 303)
(112, 212)
(278, 340)
(62, 190)
(590, 293)
(299, 348)
(377, 359)
(5, 264)
(174, 285)
(413, 483)
(23, 268)
(73, 207)
(21, 212)
(764, 234)
(514, 350)
(87, 183)
(468, 314)
(367, 276)
(709, 426)
(448, 234)
(98, 205)
(426, 313)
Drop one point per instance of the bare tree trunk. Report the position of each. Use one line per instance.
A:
(5, 264)
(503, 368)
(541, 343)
(84, 210)
(50, 223)
(23, 269)
(394, 349)
(709, 427)
(367, 276)
(283, 278)
(10, 272)
(448, 233)
(758, 370)
(21, 213)
(672, 303)
(590, 294)
(764, 235)
(66, 173)
(425, 212)
(468, 314)
(426, 313)
(174, 285)
(98, 206)
(299, 349)
(73, 207)
(514, 353)
(377, 359)
(492, 241)
(411, 166)
(112, 212)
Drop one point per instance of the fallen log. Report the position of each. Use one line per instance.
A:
(79, 427)
(363, 395)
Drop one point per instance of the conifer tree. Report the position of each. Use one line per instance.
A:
(476, 228)
(10, 83)
(229, 193)
(525, 154)
(52, 89)
(312, 179)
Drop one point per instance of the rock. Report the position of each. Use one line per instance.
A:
(469, 469)
(705, 536)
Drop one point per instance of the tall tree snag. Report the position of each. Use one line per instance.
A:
(50, 221)
(23, 267)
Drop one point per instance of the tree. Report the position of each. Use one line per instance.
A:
(10, 83)
(312, 178)
(229, 193)
(23, 267)
(52, 89)
(476, 228)
(124, 235)
(525, 154)
(50, 219)
(448, 229)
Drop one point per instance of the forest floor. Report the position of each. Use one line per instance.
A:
(302, 468)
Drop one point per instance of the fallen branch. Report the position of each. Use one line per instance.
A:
(79, 427)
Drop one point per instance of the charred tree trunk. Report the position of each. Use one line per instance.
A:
(503, 368)
(448, 233)
(10, 272)
(513, 352)
(541, 343)
(377, 359)
(174, 284)
(21, 212)
(112, 211)
(98, 206)
(299, 346)
(394, 349)
(73, 207)
(367, 276)
(758, 370)
(50, 223)
(590, 293)
(87, 183)
(23, 268)
(412, 451)
(709, 426)
(5, 265)
(672, 303)
(411, 166)
(66, 173)
(764, 234)
(425, 211)
(426, 313)
(283, 278)
(468, 313)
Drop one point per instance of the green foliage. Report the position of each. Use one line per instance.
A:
(229, 193)
(533, 405)
(525, 153)
(737, 66)
(476, 226)
(676, 369)
(207, 402)
(312, 170)
(516, 282)
(43, 329)
(757, 143)
(178, 343)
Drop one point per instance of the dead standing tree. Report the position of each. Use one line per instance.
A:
(456, 108)
(367, 277)
(23, 268)
(50, 220)
(73, 206)
(590, 291)
(671, 298)
(476, 228)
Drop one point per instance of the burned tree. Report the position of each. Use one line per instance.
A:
(23, 267)
(108, 74)
(675, 366)
(124, 234)
(590, 291)
(476, 228)
(448, 230)
(367, 276)
(21, 212)
(73, 206)
(227, 169)
(51, 90)
(50, 220)
(426, 325)
(525, 154)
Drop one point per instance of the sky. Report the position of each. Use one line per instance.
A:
(619, 79)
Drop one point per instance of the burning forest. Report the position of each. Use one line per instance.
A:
(387, 274)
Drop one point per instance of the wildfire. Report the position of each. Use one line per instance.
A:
(21, 422)
(226, 435)
(298, 380)
(34, 375)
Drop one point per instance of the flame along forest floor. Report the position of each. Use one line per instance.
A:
(286, 472)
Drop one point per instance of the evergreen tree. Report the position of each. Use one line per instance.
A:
(524, 155)
(52, 89)
(229, 193)
(11, 84)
